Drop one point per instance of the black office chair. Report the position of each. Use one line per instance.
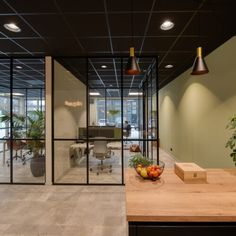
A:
(127, 134)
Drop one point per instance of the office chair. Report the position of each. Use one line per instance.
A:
(101, 152)
(17, 145)
(127, 134)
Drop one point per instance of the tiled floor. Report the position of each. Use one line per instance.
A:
(64, 210)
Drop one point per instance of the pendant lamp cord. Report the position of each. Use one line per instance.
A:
(199, 44)
(132, 21)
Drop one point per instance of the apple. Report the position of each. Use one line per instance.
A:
(155, 174)
(138, 169)
(149, 168)
(144, 173)
(151, 174)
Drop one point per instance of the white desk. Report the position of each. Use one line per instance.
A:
(77, 150)
(81, 145)
(114, 145)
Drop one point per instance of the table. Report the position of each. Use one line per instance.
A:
(171, 207)
(78, 149)
(114, 145)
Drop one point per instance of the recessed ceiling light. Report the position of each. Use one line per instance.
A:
(12, 27)
(17, 94)
(135, 93)
(14, 94)
(110, 85)
(103, 66)
(94, 93)
(18, 67)
(169, 66)
(167, 25)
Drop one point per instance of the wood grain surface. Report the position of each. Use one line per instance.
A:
(170, 199)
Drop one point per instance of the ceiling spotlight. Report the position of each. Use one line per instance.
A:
(167, 25)
(12, 27)
(169, 66)
(18, 67)
(103, 66)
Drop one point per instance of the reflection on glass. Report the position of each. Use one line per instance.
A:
(28, 159)
(116, 101)
(105, 161)
(28, 116)
(4, 124)
(26, 95)
(70, 132)
(70, 164)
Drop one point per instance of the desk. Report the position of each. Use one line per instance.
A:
(77, 150)
(114, 145)
(171, 207)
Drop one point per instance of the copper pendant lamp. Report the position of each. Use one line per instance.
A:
(199, 65)
(132, 67)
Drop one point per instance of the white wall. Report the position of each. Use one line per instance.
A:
(194, 111)
(67, 119)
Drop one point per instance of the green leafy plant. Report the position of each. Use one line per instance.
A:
(113, 113)
(231, 143)
(36, 124)
(139, 159)
(18, 122)
(35, 129)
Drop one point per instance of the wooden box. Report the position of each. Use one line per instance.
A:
(190, 172)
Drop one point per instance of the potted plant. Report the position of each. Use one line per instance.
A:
(231, 143)
(113, 113)
(34, 136)
(36, 146)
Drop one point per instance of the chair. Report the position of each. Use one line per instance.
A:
(17, 145)
(127, 134)
(101, 152)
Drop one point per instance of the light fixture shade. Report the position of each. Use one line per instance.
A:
(132, 67)
(199, 65)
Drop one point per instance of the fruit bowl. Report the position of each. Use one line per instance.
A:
(152, 172)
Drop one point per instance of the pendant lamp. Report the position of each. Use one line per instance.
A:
(132, 67)
(199, 65)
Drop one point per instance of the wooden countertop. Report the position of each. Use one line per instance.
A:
(169, 199)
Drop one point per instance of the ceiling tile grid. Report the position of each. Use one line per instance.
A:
(104, 27)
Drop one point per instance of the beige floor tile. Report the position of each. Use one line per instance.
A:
(63, 210)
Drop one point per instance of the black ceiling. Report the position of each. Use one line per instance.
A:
(103, 27)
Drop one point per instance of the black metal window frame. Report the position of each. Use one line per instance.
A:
(146, 140)
(11, 139)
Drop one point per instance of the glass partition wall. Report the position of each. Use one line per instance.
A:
(93, 102)
(22, 108)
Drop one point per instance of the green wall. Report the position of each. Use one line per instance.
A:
(194, 110)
